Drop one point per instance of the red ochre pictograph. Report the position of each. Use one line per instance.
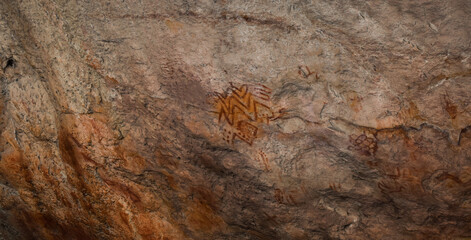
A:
(364, 145)
(241, 109)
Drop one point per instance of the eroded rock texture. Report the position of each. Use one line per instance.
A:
(235, 119)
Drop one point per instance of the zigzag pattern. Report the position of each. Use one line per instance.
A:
(242, 105)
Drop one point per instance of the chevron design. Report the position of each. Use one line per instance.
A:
(242, 107)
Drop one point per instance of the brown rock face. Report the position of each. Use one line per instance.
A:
(236, 119)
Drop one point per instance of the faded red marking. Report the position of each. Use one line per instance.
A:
(241, 109)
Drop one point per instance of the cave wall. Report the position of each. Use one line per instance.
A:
(235, 119)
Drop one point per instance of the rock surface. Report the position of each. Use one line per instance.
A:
(235, 119)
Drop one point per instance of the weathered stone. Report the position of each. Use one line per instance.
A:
(235, 119)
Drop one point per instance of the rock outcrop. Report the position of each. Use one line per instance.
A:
(235, 119)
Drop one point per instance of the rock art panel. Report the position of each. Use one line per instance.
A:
(345, 119)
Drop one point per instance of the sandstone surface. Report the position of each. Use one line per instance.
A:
(266, 119)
